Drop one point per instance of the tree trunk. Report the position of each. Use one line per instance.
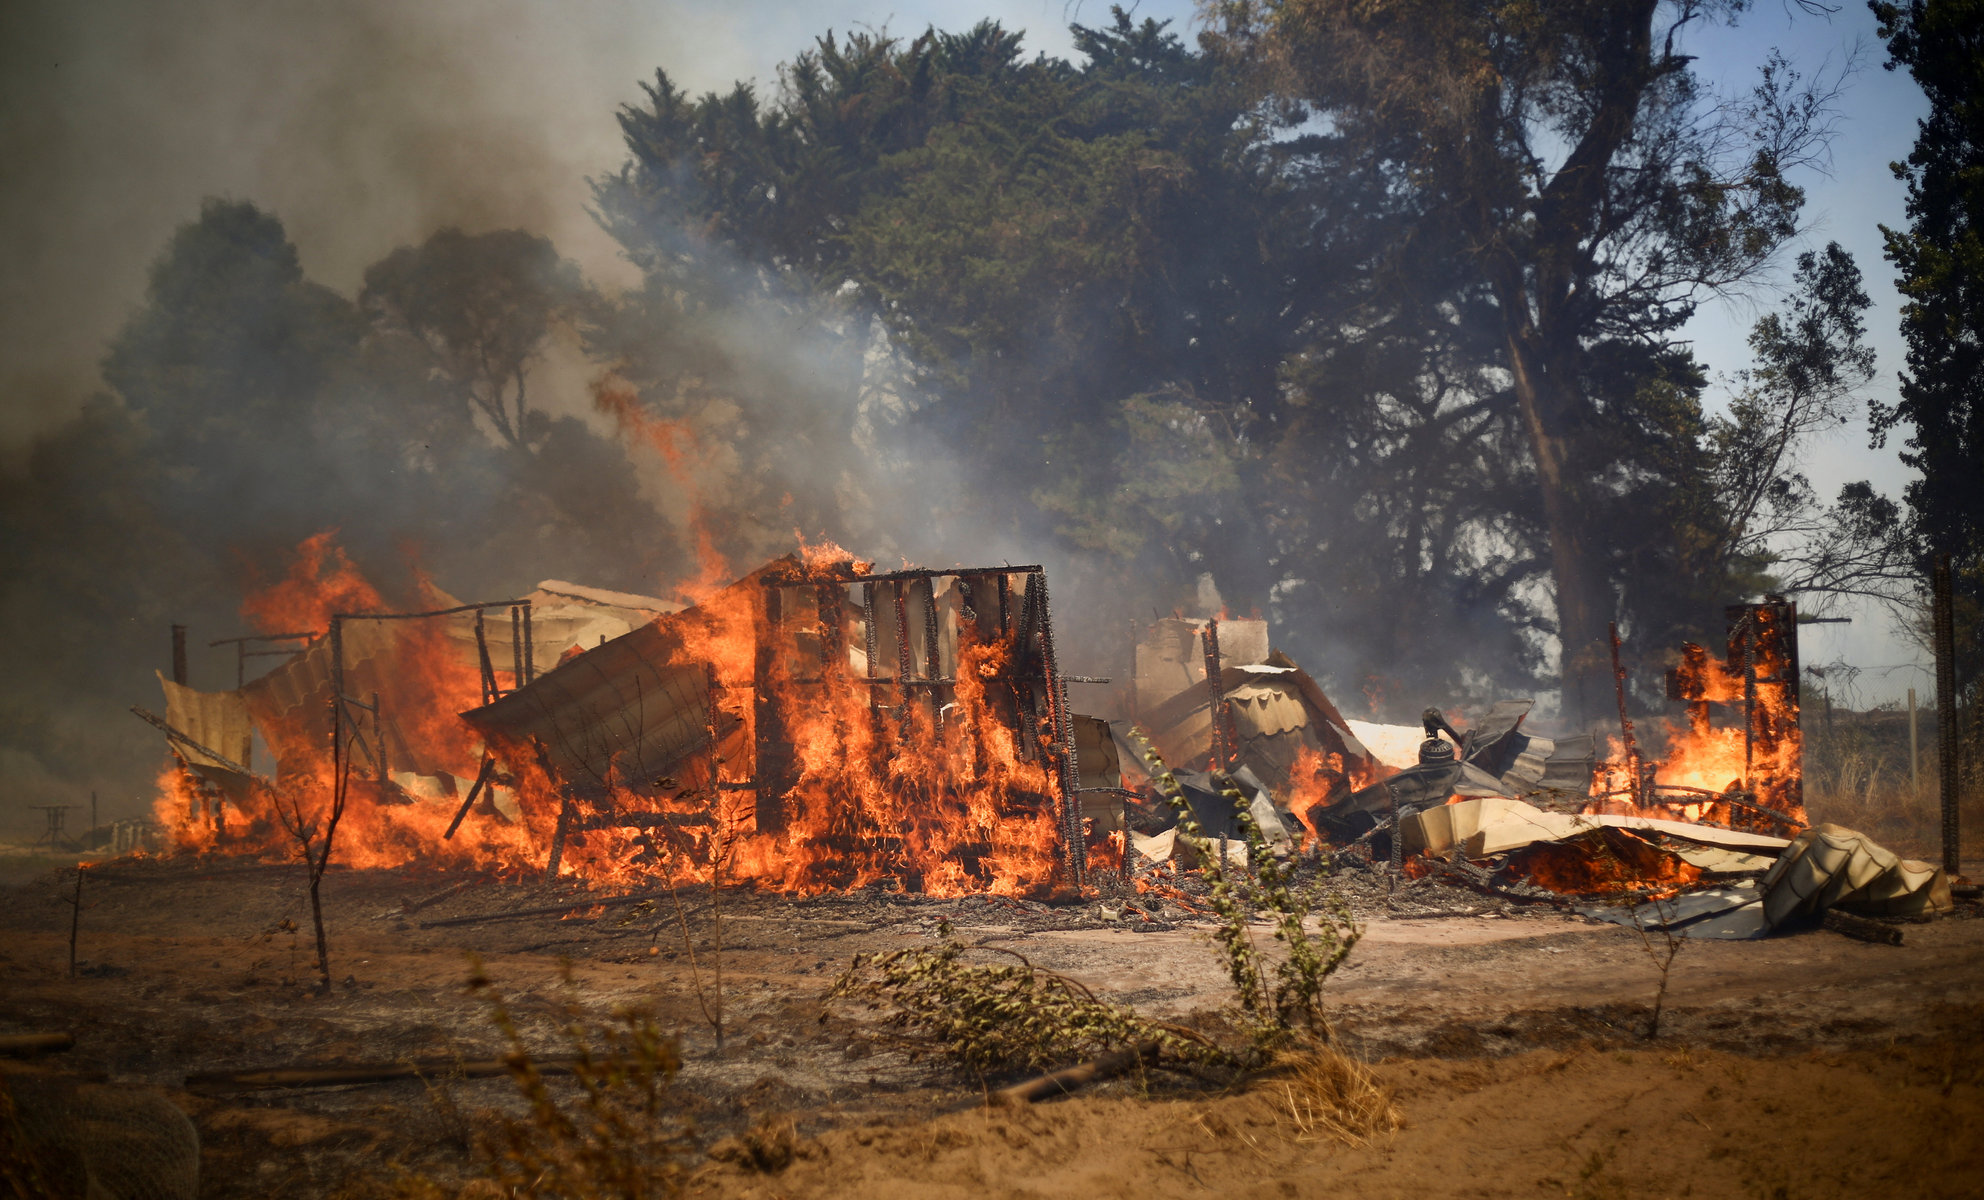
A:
(317, 918)
(1581, 612)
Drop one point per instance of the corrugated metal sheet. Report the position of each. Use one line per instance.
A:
(632, 708)
(292, 704)
(216, 720)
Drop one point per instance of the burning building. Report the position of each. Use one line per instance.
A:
(814, 725)
(817, 725)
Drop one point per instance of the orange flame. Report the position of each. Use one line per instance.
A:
(676, 442)
(320, 581)
(935, 785)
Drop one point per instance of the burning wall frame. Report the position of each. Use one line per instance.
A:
(618, 722)
(1759, 673)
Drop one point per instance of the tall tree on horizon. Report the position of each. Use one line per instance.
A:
(1599, 193)
(1941, 259)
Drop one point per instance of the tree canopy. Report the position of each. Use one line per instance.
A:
(1941, 259)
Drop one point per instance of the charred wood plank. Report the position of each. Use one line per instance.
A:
(220, 1083)
(1066, 1080)
(644, 820)
(546, 910)
(481, 781)
(565, 813)
(414, 906)
(20, 1045)
(1861, 929)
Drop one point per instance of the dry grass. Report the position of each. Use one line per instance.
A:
(1857, 775)
(609, 1129)
(1894, 814)
(1322, 1093)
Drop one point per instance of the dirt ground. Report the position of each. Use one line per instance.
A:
(1513, 1038)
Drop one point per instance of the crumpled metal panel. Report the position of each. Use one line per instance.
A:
(1830, 866)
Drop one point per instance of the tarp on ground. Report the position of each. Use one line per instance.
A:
(1830, 866)
(1171, 846)
(1481, 828)
(1734, 913)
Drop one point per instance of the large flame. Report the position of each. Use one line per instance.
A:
(926, 786)
(1745, 772)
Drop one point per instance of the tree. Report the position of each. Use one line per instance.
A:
(482, 307)
(1598, 194)
(1053, 277)
(227, 367)
(1811, 368)
(1941, 260)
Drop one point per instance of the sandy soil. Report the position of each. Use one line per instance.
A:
(1805, 1065)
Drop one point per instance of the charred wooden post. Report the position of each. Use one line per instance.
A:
(179, 655)
(1028, 702)
(1914, 748)
(1391, 822)
(1943, 631)
(530, 664)
(559, 833)
(482, 656)
(1124, 868)
(905, 664)
(771, 748)
(1074, 847)
(1763, 644)
(516, 647)
(933, 667)
(474, 791)
(337, 696)
(1630, 743)
(1741, 647)
(75, 918)
(710, 690)
(379, 742)
(831, 603)
(1221, 749)
(868, 626)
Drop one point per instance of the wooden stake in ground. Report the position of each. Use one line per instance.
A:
(75, 918)
(1943, 620)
